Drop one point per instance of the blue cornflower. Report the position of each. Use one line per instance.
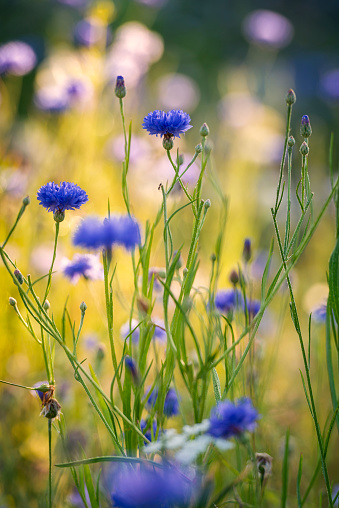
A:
(16, 58)
(171, 405)
(151, 488)
(173, 123)
(227, 300)
(145, 426)
(94, 233)
(86, 265)
(253, 307)
(58, 198)
(231, 420)
(319, 314)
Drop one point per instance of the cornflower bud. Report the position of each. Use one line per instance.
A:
(59, 216)
(305, 128)
(120, 89)
(12, 301)
(291, 141)
(18, 276)
(304, 148)
(247, 251)
(26, 201)
(83, 307)
(198, 148)
(234, 277)
(167, 141)
(290, 97)
(204, 130)
(47, 305)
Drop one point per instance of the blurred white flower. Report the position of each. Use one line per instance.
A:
(268, 29)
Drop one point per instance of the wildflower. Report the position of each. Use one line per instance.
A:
(86, 265)
(117, 230)
(319, 314)
(305, 127)
(51, 409)
(253, 307)
(171, 405)
(16, 58)
(231, 420)
(152, 488)
(173, 123)
(204, 130)
(58, 198)
(291, 97)
(120, 88)
(159, 332)
(18, 276)
(247, 250)
(304, 149)
(227, 300)
(132, 368)
(145, 426)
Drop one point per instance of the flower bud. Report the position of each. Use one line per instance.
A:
(12, 301)
(291, 141)
(207, 204)
(18, 276)
(143, 305)
(59, 216)
(234, 277)
(120, 89)
(83, 307)
(46, 305)
(305, 128)
(51, 410)
(290, 97)
(181, 159)
(167, 142)
(26, 201)
(304, 149)
(247, 250)
(204, 130)
(132, 368)
(198, 148)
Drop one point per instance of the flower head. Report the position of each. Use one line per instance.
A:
(87, 265)
(58, 198)
(152, 488)
(147, 430)
(171, 405)
(231, 420)
(16, 58)
(227, 300)
(173, 123)
(94, 233)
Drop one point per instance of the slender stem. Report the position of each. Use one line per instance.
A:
(110, 322)
(124, 127)
(288, 126)
(178, 178)
(21, 211)
(50, 463)
(49, 281)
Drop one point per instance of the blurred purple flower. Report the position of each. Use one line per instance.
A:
(253, 307)
(16, 58)
(58, 198)
(319, 314)
(227, 300)
(159, 333)
(86, 265)
(231, 420)
(152, 488)
(175, 122)
(171, 405)
(94, 233)
(90, 31)
(329, 83)
(267, 28)
(145, 426)
(73, 92)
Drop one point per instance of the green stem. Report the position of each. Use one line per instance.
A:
(20, 214)
(288, 126)
(49, 280)
(50, 463)
(177, 176)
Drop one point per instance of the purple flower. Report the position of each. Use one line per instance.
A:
(253, 307)
(231, 420)
(151, 488)
(173, 123)
(87, 265)
(171, 405)
(16, 58)
(90, 31)
(58, 198)
(159, 332)
(132, 367)
(227, 300)
(94, 233)
(145, 426)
